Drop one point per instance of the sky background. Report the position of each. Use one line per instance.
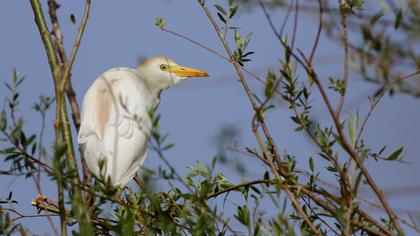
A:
(119, 34)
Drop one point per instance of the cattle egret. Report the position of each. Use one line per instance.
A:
(115, 122)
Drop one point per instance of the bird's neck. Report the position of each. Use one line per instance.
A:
(154, 92)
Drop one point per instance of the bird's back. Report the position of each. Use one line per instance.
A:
(115, 124)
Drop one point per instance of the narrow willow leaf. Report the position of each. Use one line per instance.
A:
(233, 12)
(331, 169)
(376, 17)
(3, 120)
(398, 19)
(221, 17)
(357, 183)
(60, 149)
(395, 155)
(352, 127)
(382, 150)
(220, 9)
(311, 164)
(73, 18)
(169, 146)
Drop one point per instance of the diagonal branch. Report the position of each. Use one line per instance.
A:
(379, 98)
(66, 80)
(261, 120)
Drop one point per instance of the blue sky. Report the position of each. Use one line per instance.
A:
(118, 34)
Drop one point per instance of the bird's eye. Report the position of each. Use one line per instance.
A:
(163, 67)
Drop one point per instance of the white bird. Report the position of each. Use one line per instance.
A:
(115, 122)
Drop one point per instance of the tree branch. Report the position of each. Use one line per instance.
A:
(61, 113)
(345, 143)
(261, 120)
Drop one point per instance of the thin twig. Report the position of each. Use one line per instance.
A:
(286, 18)
(37, 177)
(318, 34)
(378, 99)
(21, 215)
(346, 62)
(211, 51)
(76, 44)
(87, 176)
(295, 24)
(25, 153)
(238, 186)
(314, 213)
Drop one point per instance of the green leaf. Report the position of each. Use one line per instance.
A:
(243, 215)
(169, 146)
(220, 9)
(233, 11)
(352, 127)
(376, 17)
(223, 181)
(3, 120)
(86, 228)
(72, 18)
(311, 164)
(255, 189)
(60, 149)
(269, 83)
(395, 155)
(247, 54)
(160, 22)
(33, 149)
(221, 17)
(398, 19)
(331, 169)
(357, 183)
(29, 140)
(15, 74)
(382, 150)
(266, 175)
(127, 223)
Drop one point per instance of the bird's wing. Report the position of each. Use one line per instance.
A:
(115, 124)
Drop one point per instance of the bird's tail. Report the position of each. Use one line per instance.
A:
(99, 158)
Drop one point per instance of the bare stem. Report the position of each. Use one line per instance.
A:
(62, 122)
(318, 34)
(346, 62)
(379, 98)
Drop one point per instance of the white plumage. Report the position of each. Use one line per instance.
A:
(115, 123)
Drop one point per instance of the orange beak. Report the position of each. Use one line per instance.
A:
(182, 71)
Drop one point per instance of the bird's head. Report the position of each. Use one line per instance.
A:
(162, 72)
